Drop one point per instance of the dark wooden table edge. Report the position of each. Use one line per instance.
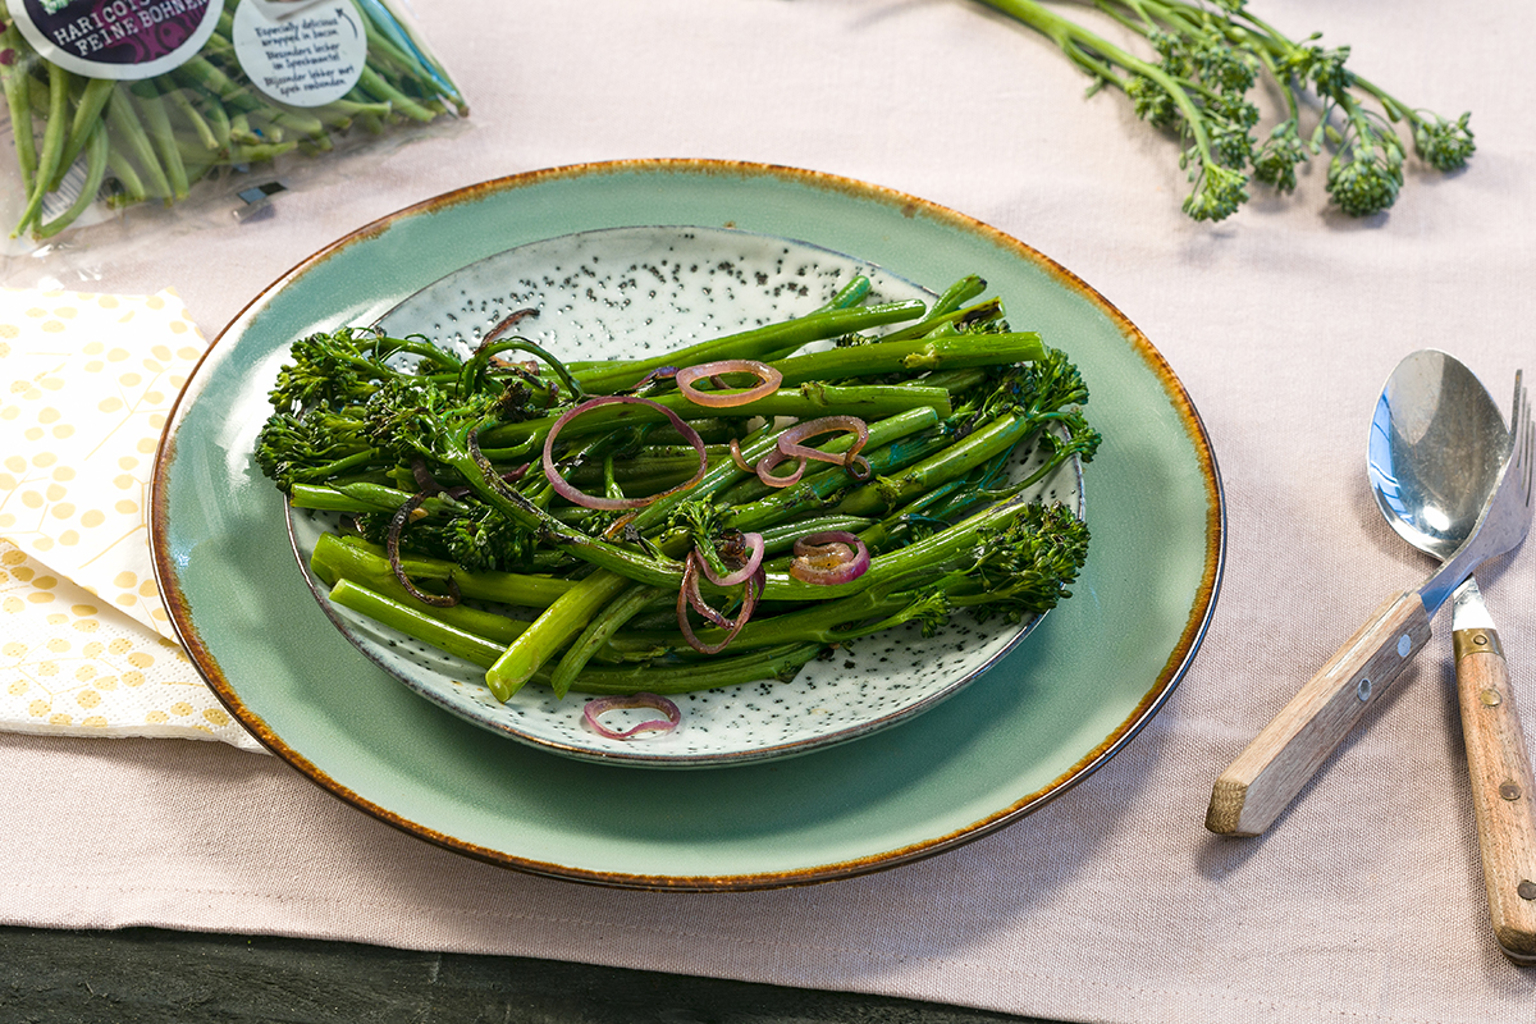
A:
(156, 975)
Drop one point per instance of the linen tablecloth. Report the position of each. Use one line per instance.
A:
(1112, 903)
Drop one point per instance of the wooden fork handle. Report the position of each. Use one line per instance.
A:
(1266, 776)
(1501, 789)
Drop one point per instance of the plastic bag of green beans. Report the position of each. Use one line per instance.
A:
(112, 104)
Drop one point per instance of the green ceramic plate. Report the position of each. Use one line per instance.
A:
(1043, 719)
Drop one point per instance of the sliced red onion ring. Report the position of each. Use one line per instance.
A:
(740, 460)
(769, 380)
(689, 596)
(754, 545)
(789, 441)
(789, 447)
(571, 494)
(692, 597)
(595, 709)
(768, 463)
(835, 556)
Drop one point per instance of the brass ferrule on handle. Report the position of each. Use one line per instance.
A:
(1475, 641)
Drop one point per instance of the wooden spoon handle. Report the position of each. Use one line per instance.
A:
(1266, 776)
(1501, 789)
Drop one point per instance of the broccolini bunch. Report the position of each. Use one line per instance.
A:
(651, 497)
(1210, 56)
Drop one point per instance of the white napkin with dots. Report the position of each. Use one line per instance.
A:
(86, 647)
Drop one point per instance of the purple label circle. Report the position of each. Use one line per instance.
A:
(122, 39)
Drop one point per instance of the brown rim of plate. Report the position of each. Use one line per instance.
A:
(1168, 678)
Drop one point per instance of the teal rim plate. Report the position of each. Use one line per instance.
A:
(1041, 720)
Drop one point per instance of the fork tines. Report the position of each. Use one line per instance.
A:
(1523, 435)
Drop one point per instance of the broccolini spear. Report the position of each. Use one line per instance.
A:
(1209, 58)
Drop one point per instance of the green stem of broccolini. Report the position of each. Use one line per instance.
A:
(656, 677)
(1209, 55)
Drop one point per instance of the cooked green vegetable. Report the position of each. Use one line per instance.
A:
(1209, 57)
(155, 138)
(438, 462)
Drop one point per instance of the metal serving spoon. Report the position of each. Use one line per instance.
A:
(1441, 453)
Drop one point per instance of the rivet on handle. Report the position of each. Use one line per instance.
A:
(1491, 698)
(1527, 890)
(1404, 645)
(1363, 690)
(1509, 791)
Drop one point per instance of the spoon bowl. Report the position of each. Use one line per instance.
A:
(1437, 446)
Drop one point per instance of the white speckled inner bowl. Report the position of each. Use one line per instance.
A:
(628, 292)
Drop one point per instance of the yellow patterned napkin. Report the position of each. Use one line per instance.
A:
(86, 647)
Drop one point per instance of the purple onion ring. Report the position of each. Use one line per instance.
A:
(594, 709)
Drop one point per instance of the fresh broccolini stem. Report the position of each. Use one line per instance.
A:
(1218, 190)
(769, 342)
(551, 631)
(1210, 57)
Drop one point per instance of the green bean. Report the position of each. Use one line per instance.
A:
(88, 108)
(374, 84)
(183, 103)
(13, 78)
(53, 145)
(213, 113)
(126, 174)
(130, 132)
(95, 174)
(158, 123)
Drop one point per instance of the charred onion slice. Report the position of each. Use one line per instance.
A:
(754, 558)
(392, 549)
(688, 596)
(768, 463)
(595, 709)
(789, 441)
(836, 556)
(577, 497)
(660, 373)
(740, 459)
(768, 382)
(789, 446)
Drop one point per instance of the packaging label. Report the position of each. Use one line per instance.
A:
(302, 54)
(121, 39)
